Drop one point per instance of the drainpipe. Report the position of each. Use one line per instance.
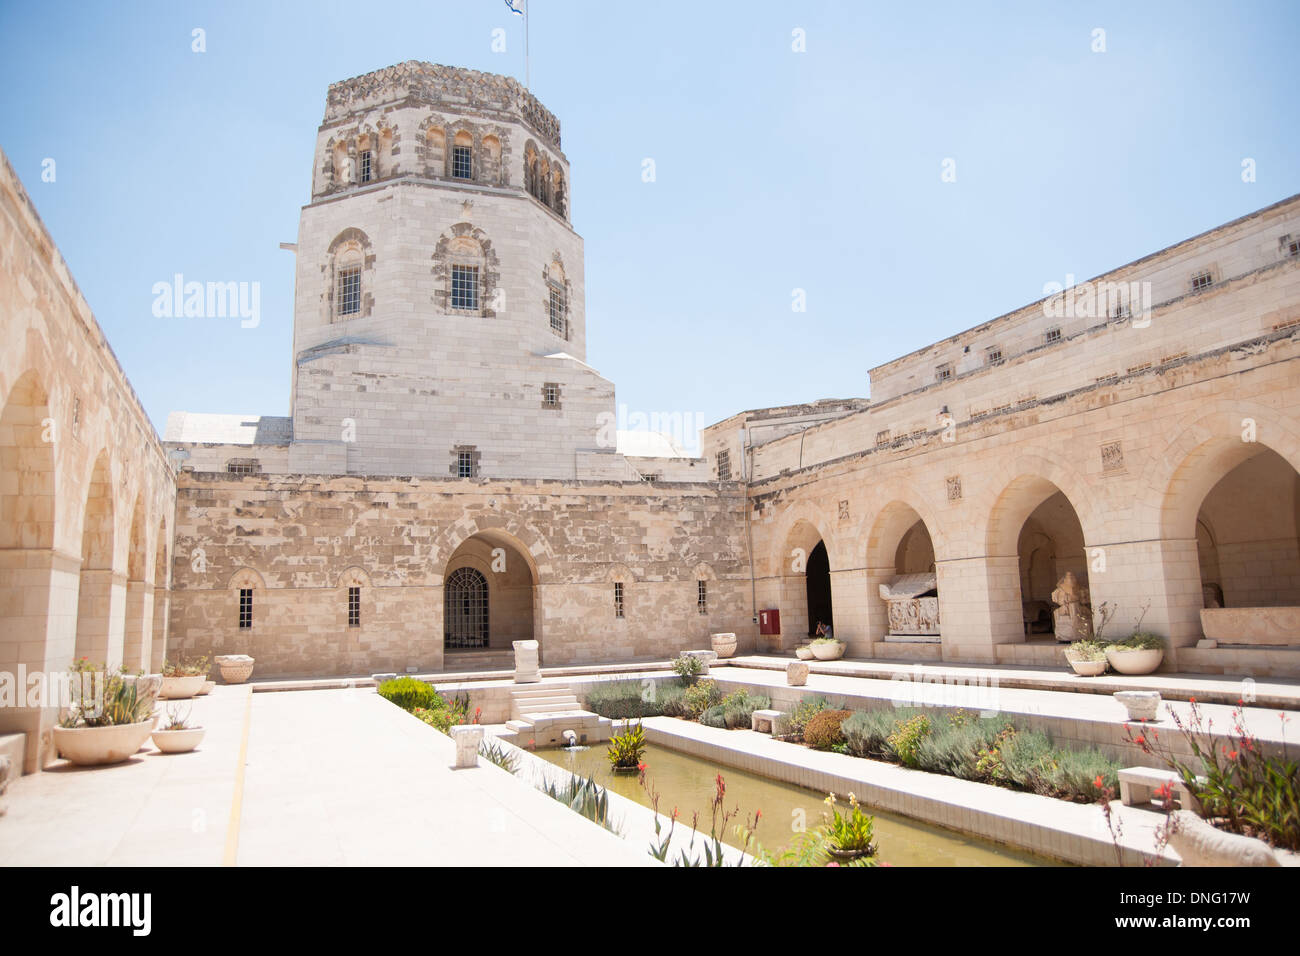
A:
(747, 457)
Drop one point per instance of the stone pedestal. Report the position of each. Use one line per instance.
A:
(796, 673)
(705, 657)
(468, 737)
(1141, 704)
(527, 669)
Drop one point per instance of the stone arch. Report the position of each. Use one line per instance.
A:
(246, 578)
(802, 564)
(491, 159)
(95, 580)
(246, 587)
(510, 608)
(1034, 536)
(351, 249)
(532, 169)
(467, 244)
(464, 138)
(28, 441)
(161, 597)
(431, 149)
(559, 200)
(901, 540)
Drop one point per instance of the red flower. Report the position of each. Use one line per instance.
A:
(641, 767)
(1099, 782)
(1140, 740)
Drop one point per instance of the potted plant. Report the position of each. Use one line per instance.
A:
(687, 667)
(826, 648)
(235, 668)
(177, 735)
(184, 678)
(804, 652)
(1140, 653)
(1088, 658)
(108, 719)
(626, 749)
(849, 835)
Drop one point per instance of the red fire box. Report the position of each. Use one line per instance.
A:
(769, 621)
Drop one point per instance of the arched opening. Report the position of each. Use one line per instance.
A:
(902, 578)
(489, 600)
(1251, 558)
(27, 515)
(95, 582)
(491, 159)
(1230, 534)
(805, 583)
(1035, 529)
(818, 589)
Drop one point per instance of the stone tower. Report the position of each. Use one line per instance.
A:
(439, 326)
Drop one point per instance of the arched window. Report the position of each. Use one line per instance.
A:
(557, 192)
(491, 159)
(557, 297)
(465, 272)
(531, 172)
(349, 276)
(462, 156)
(465, 609)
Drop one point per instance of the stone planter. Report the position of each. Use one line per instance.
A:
(95, 746)
(724, 645)
(1134, 662)
(804, 652)
(1140, 704)
(828, 652)
(207, 688)
(235, 668)
(178, 741)
(1088, 668)
(626, 770)
(181, 688)
(147, 687)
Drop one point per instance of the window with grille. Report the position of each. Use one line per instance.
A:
(464, 288)
(650, 476)
(724, 466)
(618, 598)
(943, 372)
(245, 607)
(367, 166)
(1052, 335)
(1293, 246)
(551, 395)
(465, 609)
(702, 596)
(349, 292)
(1202, 281)
(557, 311)
(243, 466)
(465, 463)
(993, 354)
(462, 162)
(354, 606)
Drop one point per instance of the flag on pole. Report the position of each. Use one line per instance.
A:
(514, 9)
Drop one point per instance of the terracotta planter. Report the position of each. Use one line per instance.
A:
(828, 652)
(1088, 668)
(181, 688)
(178, 741)
(724, 645)
(235, 668)
(95, 746)
(1134, 662)
(803, 652)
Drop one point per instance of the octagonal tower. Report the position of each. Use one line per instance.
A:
(439, 326)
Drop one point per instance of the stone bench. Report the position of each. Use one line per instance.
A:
(1138, 784)
(773, 722)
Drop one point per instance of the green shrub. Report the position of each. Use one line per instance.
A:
(699, 697)
(715, 716)
(409, 693)
(955, 744)
(905, 741)
(735, 710)
(804, 711)
(626, 699)
(867, 731)
(824, 730)
(686, 667)
(1027, 760)
(672, 700)
(1075, 774)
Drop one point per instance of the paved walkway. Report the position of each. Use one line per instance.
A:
(327, 779)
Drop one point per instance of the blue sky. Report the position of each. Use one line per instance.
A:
(776, 170)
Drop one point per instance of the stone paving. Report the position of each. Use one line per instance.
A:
(330, 778)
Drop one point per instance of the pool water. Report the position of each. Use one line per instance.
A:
(688, 783)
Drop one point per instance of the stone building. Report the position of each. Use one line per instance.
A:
(451, 477)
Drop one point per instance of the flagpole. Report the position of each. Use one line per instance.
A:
(527, 83)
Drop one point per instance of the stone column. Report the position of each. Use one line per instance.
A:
(1164, 572)
(138, 625)
(979, 606)
(851, 605)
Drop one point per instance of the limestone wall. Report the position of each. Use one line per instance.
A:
(298, 542)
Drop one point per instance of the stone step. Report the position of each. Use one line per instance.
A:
(540, 690)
